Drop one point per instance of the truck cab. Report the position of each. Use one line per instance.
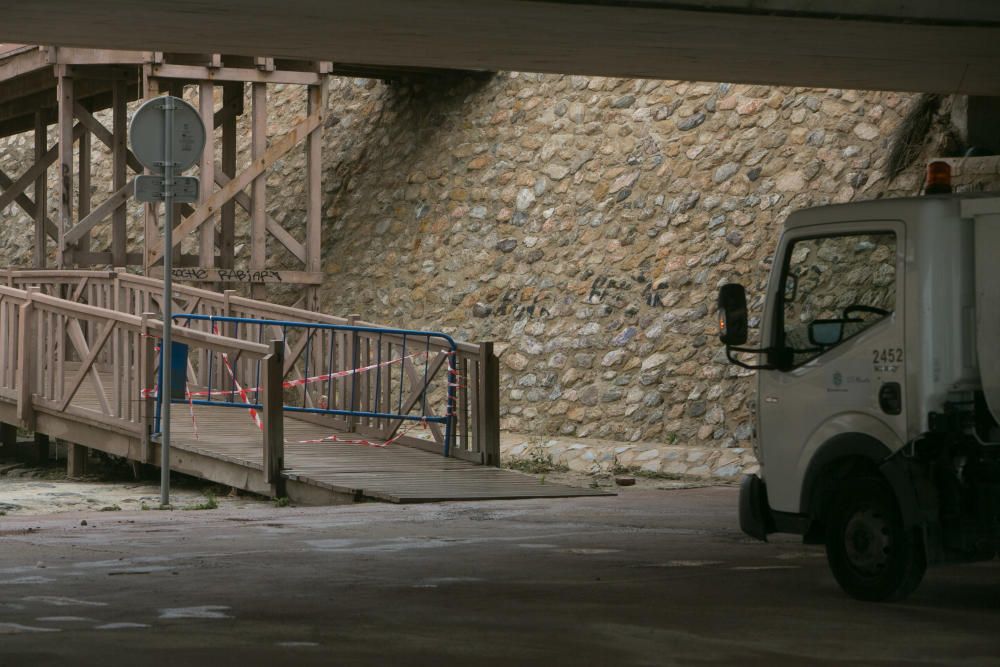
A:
(878, 387)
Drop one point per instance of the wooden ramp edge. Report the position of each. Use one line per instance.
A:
(438, 486)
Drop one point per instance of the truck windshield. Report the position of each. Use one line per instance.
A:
(835, 287)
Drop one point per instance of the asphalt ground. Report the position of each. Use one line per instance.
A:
(650, 577)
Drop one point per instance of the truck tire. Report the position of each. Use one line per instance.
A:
(872, 555)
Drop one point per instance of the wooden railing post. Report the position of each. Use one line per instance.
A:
(489, 404)
(147, 382)
(272, 416)
(351, 399)
(27, 334)
(227, 311)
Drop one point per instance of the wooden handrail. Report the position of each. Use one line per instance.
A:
(238, 302)
(476, 427)
(182, 335)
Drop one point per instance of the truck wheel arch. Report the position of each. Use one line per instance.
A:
(847, 454)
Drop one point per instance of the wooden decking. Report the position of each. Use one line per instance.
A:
(77, 369)
(395, 473)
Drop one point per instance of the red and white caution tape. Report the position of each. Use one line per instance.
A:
(243, 393)
(287, 384)
(359, 441)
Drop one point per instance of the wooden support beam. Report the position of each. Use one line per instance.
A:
(65, 93)
(258, 191)
(25, 81)
(317, 98)
(119, 159)
(14, 106)
(227, 112)
(76, 460)
(83, 192)
(151, 227)
(41, 193)
(206, 107)
(232, 100)
(196, 73)
(79, 56)
(24, 63)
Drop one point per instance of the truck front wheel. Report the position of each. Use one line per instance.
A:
(872, 555)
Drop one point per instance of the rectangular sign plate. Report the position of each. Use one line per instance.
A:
(150, 189)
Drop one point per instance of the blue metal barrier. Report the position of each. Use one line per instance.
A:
(409, 337)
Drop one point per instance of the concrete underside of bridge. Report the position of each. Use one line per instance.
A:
(913, 45)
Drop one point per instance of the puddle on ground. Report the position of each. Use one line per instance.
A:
(434, 582)
(121, 626)
(685, 563)
(18, 629)
(204, 611)
(296, 644)
(26, 581)
(792, 555)
(121, 562)
(142, 570)
(57, 601)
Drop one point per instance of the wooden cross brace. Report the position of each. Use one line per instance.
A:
(120, 196)
(27, 204)
(89, 356)
(214, 203)
(18, 187)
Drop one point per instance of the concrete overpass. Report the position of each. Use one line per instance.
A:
(912, 45)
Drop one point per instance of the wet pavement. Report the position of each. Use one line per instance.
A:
(650, 577)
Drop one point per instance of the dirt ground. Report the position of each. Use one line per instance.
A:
(31, 490)
(27, 490)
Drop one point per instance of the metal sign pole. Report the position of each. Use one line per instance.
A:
(166, 390)
(168, 136)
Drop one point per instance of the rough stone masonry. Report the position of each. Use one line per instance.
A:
(584, 224)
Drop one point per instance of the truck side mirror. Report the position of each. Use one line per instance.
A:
(732, 314)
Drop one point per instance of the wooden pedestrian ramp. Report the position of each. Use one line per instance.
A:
(276, 400)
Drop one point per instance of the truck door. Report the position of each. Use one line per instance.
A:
(836, 321)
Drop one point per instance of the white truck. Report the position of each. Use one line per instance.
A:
(878, 387)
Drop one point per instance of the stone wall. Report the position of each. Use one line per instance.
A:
(582, 223)
(585, 224)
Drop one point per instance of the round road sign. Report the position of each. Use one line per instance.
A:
(147, 136)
